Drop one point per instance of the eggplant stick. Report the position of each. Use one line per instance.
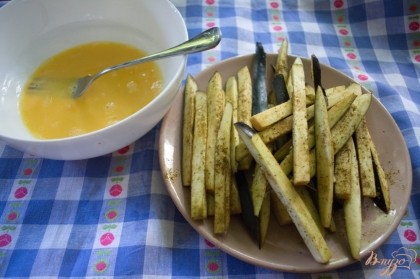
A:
(244, 95)
(188, 129)
(244, 110)
(282, 66)
(233, 205)
(324, 159)
(342, 172)
(272, 115)
(382, 199)
(353, 87)
(198, 188)
(300, 126)
(288, 195)
(259, 86)
(215, 103)
(222, 172)
(364, 158)
(349, 122)
(228, 190)
(232, 97)
(353, 208)
(259, 104)
(258, 189)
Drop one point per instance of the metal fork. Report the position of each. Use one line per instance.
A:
(203, 41)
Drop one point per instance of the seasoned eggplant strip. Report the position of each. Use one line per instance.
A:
(232, 97)
(288, 195)
(364, 156)
(244, 95)
(261, 201)
(342, 172)
(353, 208)
(348, 124)
(300, 126)
(324, 159)
(222, 172)
(198, 189)
(188, 129)
(215, 106)
(382, 199)
(282, 67)
(259, 88)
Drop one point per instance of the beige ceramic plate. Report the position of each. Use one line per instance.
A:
(284, 249)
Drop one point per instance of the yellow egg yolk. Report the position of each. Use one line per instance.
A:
(48, 109)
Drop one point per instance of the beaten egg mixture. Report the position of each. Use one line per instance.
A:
(49, 111)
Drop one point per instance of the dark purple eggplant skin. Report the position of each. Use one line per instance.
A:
(379, 199)
(281, 95)
(259, 103)
(259, 76)
(250, 221)
(316, 75)
(316, 71)
(280, 89)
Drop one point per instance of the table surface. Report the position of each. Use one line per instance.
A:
(112, 216)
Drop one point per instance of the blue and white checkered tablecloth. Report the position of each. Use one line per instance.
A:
(112, 217)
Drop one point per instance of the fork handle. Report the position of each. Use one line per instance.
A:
(203, 41)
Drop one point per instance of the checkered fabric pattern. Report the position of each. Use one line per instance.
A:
(112, 217)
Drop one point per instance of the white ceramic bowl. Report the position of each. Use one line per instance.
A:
(33, 30)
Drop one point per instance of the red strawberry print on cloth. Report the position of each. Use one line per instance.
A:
(410, 235)
(101, 266)
(407, 231)
(5, 239)
(107, 238)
